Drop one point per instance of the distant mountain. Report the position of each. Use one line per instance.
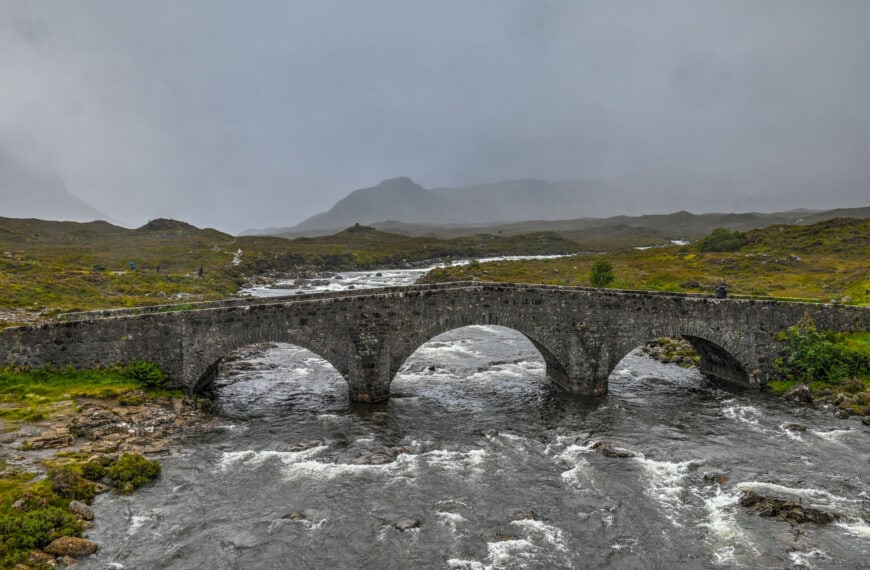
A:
(506, 201)
(27, 192)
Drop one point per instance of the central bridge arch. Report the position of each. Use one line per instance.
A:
(540, 339)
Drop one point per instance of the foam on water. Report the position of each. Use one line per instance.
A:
(805, 559)
(859, 528)
(665, 484)
(726, 536)
(510, 553)
(252, 458)
(832, 436)
(462, 564)
(748, 415)
(541, 531)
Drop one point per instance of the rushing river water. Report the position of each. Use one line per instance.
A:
(496, 465)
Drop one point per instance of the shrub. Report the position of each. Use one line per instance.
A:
(130, 472)
(145, 373)
(601, 274)
(68, 484)
(722, 240)
(811, 355)
(22, 531)
(93, 470)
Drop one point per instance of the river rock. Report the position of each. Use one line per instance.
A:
(607, 449)
(294, 517)
(407, 524)
(54, 437)
(784, 509)
(40, 559)
(72, 546)
(95, 422)
(799, 393)
(81, 510)
(795, 427)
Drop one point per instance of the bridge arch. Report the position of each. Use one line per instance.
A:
(204, 369)
(556, 369)
(722, 357)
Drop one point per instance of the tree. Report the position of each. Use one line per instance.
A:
(723, 240)
(601, 274)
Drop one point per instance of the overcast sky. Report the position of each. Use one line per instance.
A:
(254, 113)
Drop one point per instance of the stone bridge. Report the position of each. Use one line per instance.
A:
(581, 333)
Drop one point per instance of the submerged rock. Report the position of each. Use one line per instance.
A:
(407, 524)
(795, 427)
(784, 509)
(607, 449)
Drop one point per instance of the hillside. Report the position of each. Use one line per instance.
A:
(26, 191)
(50, 266)
(826, 261)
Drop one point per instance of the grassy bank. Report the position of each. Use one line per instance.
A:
(823, 262)
(42, 496)
(51, 267)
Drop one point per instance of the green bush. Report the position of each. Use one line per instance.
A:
(722, 240)
(812, 356)
(601, 274)
(145, 373)
(69, 484)
(130, 472)
(93, 470)
(21, 531)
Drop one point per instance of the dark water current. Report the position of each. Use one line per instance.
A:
(534, 495)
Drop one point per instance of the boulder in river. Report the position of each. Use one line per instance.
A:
(408, 524)
(784, 509)
(799, 393)
(607, 449)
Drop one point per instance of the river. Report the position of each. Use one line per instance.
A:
(495, 466)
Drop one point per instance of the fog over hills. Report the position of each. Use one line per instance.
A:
(29, 192)
(401, 202)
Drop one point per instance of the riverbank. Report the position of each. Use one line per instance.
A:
(57, 452)
(844, 399)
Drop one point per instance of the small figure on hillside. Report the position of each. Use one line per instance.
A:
(200, 270)
(132, 266)
(158, 269)
(721, 291)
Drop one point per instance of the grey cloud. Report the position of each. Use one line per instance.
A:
(241, 114)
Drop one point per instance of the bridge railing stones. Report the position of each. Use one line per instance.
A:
(303, 296)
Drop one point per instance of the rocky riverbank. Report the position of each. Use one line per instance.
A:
(71, 455)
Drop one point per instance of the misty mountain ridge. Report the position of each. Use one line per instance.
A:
(27, 192)
(404, 200)
(400, 204)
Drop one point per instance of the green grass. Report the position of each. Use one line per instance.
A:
(28, 395)
(53, 267)
(786, 262)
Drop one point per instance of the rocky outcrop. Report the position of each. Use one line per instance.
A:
(672, 351)
(72, 546)
(784, 509)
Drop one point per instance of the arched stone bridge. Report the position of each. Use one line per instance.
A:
(367, 335)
